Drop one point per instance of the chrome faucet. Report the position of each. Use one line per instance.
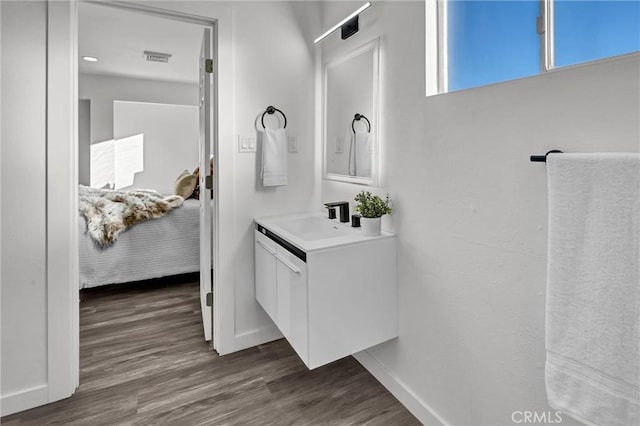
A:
(344, 210)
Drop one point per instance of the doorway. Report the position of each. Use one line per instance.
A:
(151, 120)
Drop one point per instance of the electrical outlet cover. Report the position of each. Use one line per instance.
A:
(293, 143)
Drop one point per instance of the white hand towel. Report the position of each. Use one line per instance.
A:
(274, 157)
(592, 315)
(360, 155)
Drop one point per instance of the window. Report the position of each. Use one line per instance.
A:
(115, 162)
(588, 30)
(479, 42)
(490, 41)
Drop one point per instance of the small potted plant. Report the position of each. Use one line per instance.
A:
(372, 208)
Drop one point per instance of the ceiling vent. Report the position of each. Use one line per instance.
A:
(156, 56)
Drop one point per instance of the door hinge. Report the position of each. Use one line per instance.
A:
(209, 299)
(208, 182)
(208, 65)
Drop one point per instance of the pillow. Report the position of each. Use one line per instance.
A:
(196, 171)
(185, 184)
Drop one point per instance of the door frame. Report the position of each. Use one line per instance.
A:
(62, 195)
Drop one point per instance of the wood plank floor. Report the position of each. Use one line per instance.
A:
(144, 362)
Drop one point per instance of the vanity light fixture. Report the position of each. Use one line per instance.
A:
(90, 58)
(349, 24)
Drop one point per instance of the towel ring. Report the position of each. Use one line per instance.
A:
(357, 117)
(271, 110)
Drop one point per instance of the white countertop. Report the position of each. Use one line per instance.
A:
(318, 234)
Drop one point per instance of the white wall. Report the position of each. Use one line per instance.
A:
(23, 187)
(170, 140)
(471, 213)
(274, 65)
(102, 90)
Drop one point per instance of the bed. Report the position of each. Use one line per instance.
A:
(151, 249)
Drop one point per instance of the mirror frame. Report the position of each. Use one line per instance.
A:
(335, 60)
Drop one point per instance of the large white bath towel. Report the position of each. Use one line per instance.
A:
(360, 155)
(592, 316)
(274, 157)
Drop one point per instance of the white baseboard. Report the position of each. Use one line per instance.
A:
(24, 400)
(425, 414)
(256, 337)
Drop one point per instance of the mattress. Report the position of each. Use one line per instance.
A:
(155, 248)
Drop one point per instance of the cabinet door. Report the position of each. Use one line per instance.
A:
(265, 270)
(292, 300)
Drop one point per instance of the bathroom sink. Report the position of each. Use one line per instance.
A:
(313, 228)
(312, 231)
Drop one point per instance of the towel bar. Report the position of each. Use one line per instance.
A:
(357, 117)
(271, 110)
(543, 158)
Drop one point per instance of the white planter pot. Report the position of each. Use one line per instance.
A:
(371, 226)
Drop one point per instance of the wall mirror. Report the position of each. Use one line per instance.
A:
(351, 122)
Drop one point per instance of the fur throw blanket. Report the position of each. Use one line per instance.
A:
(110, 212)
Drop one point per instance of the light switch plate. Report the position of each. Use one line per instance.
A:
(339, 145)
(246, 143)
(292, 143)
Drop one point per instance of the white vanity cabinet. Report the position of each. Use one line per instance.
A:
(328, 302)
(281, 289)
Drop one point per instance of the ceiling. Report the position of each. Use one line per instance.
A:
(118, 38)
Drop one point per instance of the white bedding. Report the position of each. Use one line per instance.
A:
(158, 247)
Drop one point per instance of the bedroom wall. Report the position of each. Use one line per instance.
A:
(102, 90)
(169, 138)
(470, 215)
(23, 284)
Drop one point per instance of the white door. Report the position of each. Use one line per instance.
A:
(205, 194)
